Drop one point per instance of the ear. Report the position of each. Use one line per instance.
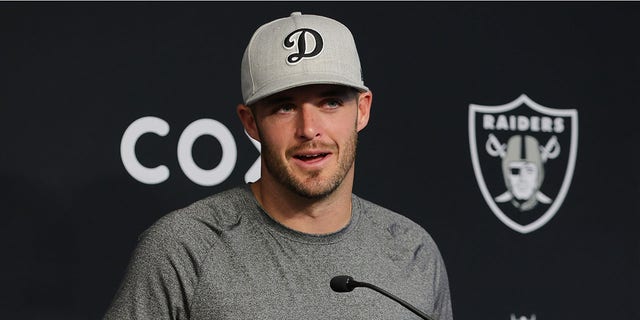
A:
(248, 121)
(364, 109)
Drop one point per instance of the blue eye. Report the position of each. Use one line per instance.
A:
(334, 103)
(286, 108)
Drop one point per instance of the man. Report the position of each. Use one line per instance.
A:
(268, 250)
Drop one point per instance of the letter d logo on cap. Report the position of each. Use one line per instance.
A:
(290, 42)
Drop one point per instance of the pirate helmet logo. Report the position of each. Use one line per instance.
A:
(536, 176)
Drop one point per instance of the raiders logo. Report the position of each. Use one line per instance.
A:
(523, 157)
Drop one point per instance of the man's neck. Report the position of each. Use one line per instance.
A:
(313, 216)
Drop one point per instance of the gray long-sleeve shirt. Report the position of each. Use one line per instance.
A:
(224, 258)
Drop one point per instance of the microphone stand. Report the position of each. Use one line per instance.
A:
(396, 299)
(347, 283)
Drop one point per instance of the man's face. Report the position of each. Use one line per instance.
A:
(309, 136)
(523, 178)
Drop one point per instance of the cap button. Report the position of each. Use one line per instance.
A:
(297, 13)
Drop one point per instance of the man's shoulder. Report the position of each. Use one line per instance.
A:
(385, 216)
(221, 208)
(202, 219)
(403, 238)
(393, 223)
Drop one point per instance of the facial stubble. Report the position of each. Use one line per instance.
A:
(311, 185)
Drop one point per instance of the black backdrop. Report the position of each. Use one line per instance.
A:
(75, 75)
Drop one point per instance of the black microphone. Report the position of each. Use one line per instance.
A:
(347, 284)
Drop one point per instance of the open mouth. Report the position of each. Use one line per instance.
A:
(310, 157)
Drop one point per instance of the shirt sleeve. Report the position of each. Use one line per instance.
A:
(442, 305)
(160, 278)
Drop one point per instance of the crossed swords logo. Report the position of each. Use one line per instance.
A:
(523, 159)
(523, 168)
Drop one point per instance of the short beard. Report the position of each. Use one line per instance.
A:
(318, 189)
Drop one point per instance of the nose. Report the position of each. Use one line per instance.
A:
(308, 123)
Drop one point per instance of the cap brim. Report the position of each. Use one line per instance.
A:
(299, 80)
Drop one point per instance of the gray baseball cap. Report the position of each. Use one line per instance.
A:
(299, 50)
